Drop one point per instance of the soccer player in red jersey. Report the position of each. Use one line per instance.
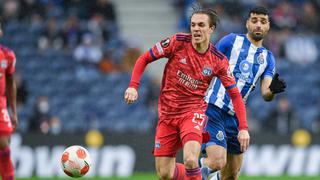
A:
(193, 62)
(7, 124)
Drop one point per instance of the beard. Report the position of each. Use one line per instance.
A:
(257, 37)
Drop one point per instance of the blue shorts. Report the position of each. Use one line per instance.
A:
(223, 129)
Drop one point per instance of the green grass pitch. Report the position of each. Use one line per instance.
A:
(150, 176)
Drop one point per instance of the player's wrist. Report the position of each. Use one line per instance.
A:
(134, 85)
(245, 128)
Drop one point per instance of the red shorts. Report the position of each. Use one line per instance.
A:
(5, 123)
(171, 136)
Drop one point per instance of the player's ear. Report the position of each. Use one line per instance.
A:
(212, 28)
(268, 26)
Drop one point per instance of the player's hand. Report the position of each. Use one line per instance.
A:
(14, 123)
(131, 95)
(244, 139)
(277, 85)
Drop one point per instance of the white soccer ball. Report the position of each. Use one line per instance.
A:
(75, 161)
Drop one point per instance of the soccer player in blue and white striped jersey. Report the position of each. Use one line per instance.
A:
(249, 62)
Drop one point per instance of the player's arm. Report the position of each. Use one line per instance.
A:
(11, 92)
(271, 84)
(160, 50)
(265, 90)
(131, 94)
(229, 83)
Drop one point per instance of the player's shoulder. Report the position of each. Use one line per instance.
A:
(7, 52)
(184, 37)
(270, 56)
(217, 53)
(230, 37)
(269, 52)
(233, 35)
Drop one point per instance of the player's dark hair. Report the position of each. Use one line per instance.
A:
(213, 16)
(259, 10)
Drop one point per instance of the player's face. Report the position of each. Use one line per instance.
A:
(200, 29)
(258, 26)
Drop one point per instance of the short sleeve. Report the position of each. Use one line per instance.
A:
(270, 69)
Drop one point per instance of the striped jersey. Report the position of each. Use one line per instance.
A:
(248, 64)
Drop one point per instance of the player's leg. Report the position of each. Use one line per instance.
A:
(165, 167)
(216, 157)
(191, 152)
(6, 166)
(167, 143)
(216, 147)
(234, 154)
(232, 169)
(191, 129)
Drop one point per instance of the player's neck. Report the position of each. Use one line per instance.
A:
(254, 42)
(200, 47)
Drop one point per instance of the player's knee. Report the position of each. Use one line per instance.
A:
(231, 175)
(163, 175)
(190, 162)
(218, 163)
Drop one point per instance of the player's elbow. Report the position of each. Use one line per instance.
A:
(267, 98)
(267, 95)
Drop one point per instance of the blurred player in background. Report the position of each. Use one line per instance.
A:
(193, 62)
(249, 61)
(7, 123)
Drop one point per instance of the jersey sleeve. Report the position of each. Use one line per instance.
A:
(228, 81)
(11, 57)
(164, 48)
(270, 69)
(223, 45)
(225, 75)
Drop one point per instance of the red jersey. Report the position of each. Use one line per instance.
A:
(187, 75)
(7, 66)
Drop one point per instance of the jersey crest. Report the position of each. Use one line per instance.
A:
(220, 135)
(207, 71)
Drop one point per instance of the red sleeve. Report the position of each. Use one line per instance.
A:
(11, 62)
(161, 49)
(239, 107)
(139, 68)
(224, 74)
(164, 48)
(229, 82)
